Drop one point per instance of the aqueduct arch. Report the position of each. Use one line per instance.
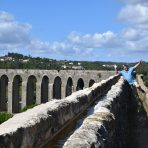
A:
(91, 82)
(57, 88)
(16, 94)
(69, 87)
(80, 84)
(3, 92)
(44, 89)
(31, 90)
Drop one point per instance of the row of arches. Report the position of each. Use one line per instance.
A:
(31, 90)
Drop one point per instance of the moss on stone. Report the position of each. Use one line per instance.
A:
(4, 116)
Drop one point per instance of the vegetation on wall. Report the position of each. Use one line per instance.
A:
(4, 117)
(144, 70)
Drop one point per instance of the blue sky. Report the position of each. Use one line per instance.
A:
(96, 30)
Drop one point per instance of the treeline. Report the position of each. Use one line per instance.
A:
(19, 61)
(32, 64)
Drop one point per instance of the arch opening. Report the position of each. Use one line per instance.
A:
(31, 90)
(44, 89)
(4, 93)
(16, 94)
(69, 87)
(57, 88)
(91, 82)
(80, 84)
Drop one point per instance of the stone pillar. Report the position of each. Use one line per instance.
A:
(74, 86)
(63, 91)
(10, 97)
(86, 84)
(24, 94)
(38, 93)
(73, 89)
(50, 94)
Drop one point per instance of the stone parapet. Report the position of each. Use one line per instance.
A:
(107, 126)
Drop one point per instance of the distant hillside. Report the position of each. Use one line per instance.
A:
(20, 61)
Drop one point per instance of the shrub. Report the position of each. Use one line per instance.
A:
(4, 116)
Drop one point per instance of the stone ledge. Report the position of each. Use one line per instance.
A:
(107, 125)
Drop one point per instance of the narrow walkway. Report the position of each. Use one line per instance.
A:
(138, 134)
(60, 139)
(138, 127)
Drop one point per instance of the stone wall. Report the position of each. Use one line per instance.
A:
(143, 93)
(37, 126)
(107, 127)
(7, 77)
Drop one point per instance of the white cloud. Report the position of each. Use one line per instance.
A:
(95, 40)
(135, 1)
(6, 17)
(12, 33)
(134, 34)
(75, 43)
(136, 15)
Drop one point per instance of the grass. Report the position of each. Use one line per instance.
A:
(5, 116)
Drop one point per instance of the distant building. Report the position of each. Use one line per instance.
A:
(78, 67)
(2, 59)
(9, 58)
(25, 61)
(64, 66)
(70, 63)
(108, 65)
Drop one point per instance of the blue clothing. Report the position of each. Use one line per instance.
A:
(128, 75)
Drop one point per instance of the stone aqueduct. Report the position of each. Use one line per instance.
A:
(20, 88)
